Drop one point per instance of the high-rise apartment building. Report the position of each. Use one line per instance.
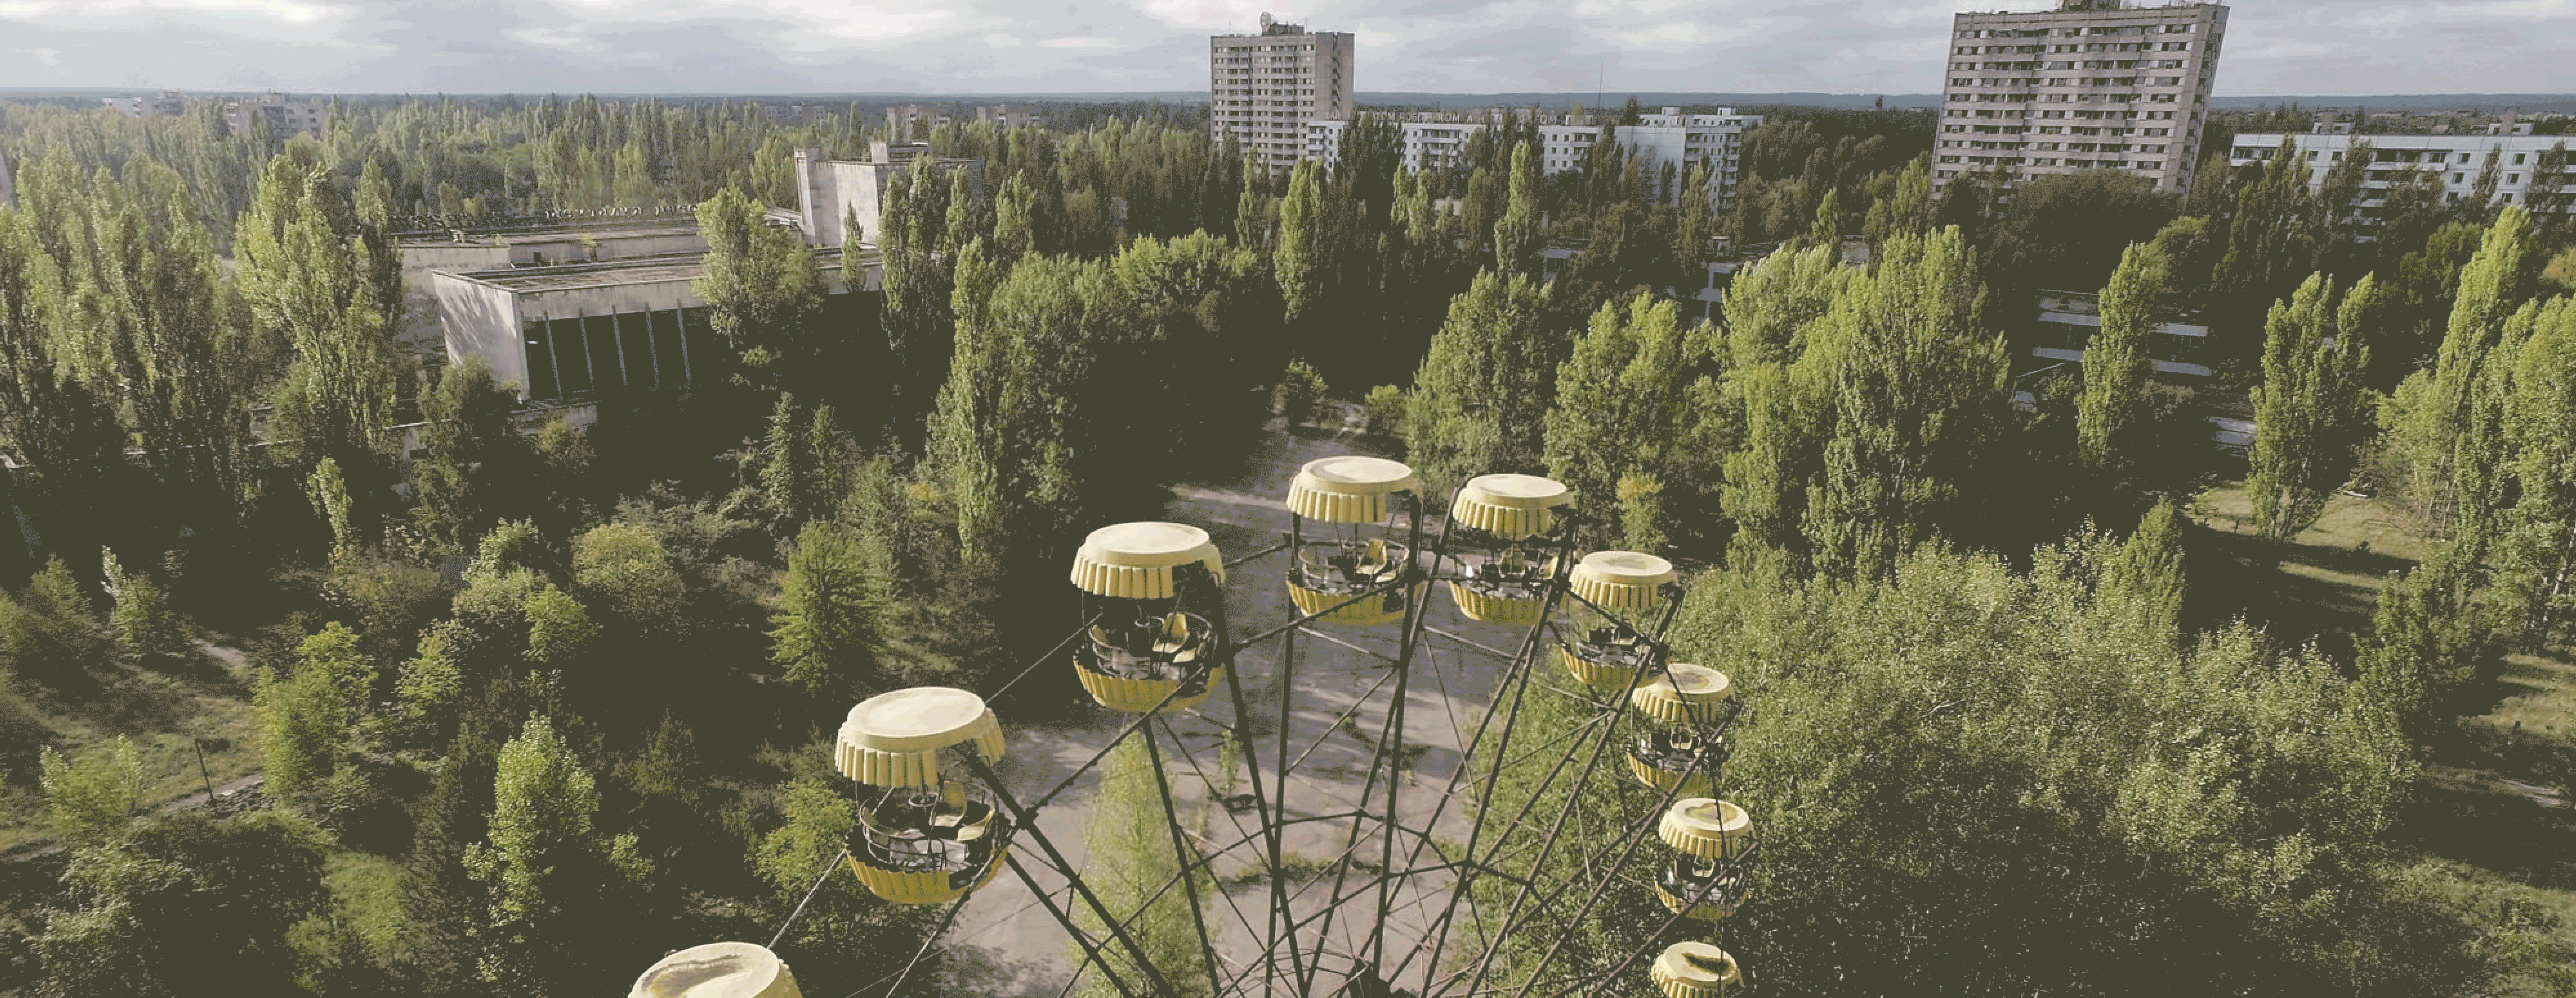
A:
(1264, 88)
(2091, 85)
(283, 118)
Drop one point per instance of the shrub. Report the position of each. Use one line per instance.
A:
(1299, 392)
(1385, 408)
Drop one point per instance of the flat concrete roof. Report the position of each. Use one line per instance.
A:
(624, 229)
(635, 270)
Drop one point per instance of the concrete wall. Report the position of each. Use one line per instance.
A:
(480, 320)
(573, 303)
(830, 191)
(818, 198)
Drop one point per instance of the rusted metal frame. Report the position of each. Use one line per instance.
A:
(1181, 854)
(1028, 825)
(1512, 915)
(1393, 726)
(1090, 950)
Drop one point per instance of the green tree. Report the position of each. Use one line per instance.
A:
(1907, 212)
(303, 731)
(2538, 536)
(2275, 234)
(2312, 411)
(1300, 392)
(763, 291)
(2442, 446)
(429, 690)
(560, 631)
(306, 292)
(1770, 305)
(834, 613)
(1006, 441)
(1300, 261)
(183, 901)
(622, 569)
(2117, 367)
(555, 881)
(1855, 450)
(1618, 399)
(806, 848)
(2044, 760)
(2429, 637)
(1131, 859)
(52, 417)
(329, 492)
(147, 629)
(1517, 235)
(91, 799)
(1479, 404)
(476, 460)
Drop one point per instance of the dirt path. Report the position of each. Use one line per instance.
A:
(232, 658)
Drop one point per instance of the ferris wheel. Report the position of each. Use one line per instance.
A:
(1427, 886)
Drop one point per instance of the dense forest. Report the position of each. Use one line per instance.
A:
(558, 705)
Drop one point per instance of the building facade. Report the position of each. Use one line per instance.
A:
(283, 119)
(1673, 139)
(2092, 85)
(170, 104)
(832, 193)
(1264, 89)
(572, 332)
(2524, 164)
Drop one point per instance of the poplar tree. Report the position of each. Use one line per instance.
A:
(306, 292)
(2537, 559)
(1770, 303)
(2112, 412)
(835, 612)
(2275, 234)
(1300, 261)
(58, 424)
(2442, 437)
(1617, 399)
(1517, 236)
(474, 461)
(2312, 410)
(1854, 451)
(1479, 404)
(763, 291)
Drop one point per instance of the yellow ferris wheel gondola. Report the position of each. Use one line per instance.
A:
(1357, 574)
(1148, 646)
(1498, 528)
(1686, 713)
(926, 834)
(1616, 588)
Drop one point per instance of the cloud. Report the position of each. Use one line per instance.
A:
(1451, 46)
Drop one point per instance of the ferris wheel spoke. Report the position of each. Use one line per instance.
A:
(1028, 826)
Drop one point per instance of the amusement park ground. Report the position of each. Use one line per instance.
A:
(1005, 944)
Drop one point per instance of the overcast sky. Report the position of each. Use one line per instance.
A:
(1000, 46)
